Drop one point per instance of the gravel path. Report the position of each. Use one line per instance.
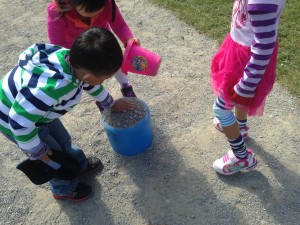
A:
(173, 182)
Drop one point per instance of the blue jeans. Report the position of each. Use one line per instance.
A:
(57, 137)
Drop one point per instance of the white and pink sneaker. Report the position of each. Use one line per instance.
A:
(229, 164)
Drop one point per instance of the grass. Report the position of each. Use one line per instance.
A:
(212, 17)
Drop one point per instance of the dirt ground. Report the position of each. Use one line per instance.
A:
(172, 183)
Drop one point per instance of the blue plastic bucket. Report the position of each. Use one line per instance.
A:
(133, 140)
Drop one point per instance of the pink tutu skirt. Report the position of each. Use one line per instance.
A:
(227, 69)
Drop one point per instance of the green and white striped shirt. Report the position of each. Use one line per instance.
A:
(41, 88)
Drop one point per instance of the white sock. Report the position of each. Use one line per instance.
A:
(121, 78)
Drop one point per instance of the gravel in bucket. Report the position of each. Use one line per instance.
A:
(126, 119)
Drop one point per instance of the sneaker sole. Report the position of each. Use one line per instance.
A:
(228, 174)
(70, 199)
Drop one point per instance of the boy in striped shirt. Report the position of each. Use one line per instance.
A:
(47, 83)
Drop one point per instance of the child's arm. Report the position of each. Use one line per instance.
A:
(101, 95)
(264, 24)
(55, 26)
(119, 26)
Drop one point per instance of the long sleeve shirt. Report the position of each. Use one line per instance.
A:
(39, 89)
(255, 25)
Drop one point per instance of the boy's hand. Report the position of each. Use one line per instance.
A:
(121, 105)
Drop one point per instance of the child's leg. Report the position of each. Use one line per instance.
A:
(57, 137)
(57, 186)
(238, 157)
(230, 127)
(121, 78)
(241, 116)
(60, 136)
(62, 187)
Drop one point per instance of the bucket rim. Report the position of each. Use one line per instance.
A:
(140, 123)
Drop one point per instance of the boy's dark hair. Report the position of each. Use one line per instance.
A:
(98, 51)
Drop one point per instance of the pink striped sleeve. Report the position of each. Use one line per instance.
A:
(263, 19)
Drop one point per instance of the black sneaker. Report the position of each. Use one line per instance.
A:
(94, 164)
(81, 193)
(127, 91)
